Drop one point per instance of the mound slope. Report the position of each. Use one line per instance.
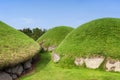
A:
(15, 47)
(54, 36)
(97, 37)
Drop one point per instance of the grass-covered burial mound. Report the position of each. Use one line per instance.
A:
(92, 44)
(15, 47)
(53, 37)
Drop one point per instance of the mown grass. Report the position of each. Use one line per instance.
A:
(54, 36)
(97, 37)
(15, 47)
(46, 70)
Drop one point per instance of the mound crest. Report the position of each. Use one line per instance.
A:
(53, 37)
(15, 47)
(94, 41)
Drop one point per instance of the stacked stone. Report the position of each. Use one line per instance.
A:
(13, 73)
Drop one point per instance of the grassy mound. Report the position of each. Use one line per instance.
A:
(54, 36)
(15, 47)
(97, 37)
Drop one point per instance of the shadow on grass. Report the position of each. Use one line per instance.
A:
(45, 58)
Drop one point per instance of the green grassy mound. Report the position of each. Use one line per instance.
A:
(15, 47)
(97, 37)
(54, 36)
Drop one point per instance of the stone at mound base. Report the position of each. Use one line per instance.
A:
(94, 62)
(51, 48)
(27, 64)
(79, 61)
(14, 76)
(55, 57)
(5, 76)
(16, 70)
(113, 65)
(45, 49)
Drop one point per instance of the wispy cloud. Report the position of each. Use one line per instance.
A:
(27, 20)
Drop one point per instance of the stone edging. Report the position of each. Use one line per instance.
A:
(13, 73)
(93, 62)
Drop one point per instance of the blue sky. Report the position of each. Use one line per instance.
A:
(50, 13)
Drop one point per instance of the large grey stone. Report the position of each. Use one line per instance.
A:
(17, 70)
(14, 76)
(27, 64)
(8, 70)
(5, 76)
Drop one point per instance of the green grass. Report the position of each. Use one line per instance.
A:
(46, 70)
(54, 36)
(15, 47)
(97, 37)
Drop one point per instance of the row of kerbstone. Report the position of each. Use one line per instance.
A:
(94, 62)
(50, 48)
(13, 73)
